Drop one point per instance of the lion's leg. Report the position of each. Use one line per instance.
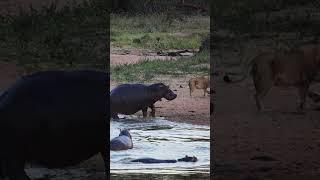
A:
(191, 90)
(263, 79)
(259, 98)
(303, 91)
(262, 86)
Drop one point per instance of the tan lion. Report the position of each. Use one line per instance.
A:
(200, 82)
(297, 67)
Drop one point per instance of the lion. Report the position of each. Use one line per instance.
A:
(298, 68)
(200, 82)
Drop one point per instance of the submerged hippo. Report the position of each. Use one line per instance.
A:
(152, 160)
(131, 98)
(54, 119)
(122, 142)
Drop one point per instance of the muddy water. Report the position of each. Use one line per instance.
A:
(161, 139)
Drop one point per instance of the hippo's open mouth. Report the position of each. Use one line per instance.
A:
(170, 96)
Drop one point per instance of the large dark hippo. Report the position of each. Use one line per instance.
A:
(152, 160)
(131, 98)
(122, 142)
(55, 119)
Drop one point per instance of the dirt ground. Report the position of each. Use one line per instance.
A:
(275, 144)
(186, 109)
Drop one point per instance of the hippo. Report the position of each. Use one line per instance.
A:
(54, 119)
(122, 142)
(131, 98)
(152, 160)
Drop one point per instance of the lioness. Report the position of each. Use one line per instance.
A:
(200, 82)
(297, 67)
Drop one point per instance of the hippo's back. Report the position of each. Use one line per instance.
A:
(55, 118)
(130, 98)
(153, 161)
(128, 90)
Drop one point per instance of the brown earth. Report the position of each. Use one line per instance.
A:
(275, 144)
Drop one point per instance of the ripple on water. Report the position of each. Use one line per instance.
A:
(161, 139)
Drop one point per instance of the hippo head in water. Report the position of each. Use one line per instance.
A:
(164, 91)
(189, 159)
(125, 132)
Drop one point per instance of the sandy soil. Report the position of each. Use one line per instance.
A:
(194, 110)
(275, 144)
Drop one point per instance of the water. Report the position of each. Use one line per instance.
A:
(161, 139)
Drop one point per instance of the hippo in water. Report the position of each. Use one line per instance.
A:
(122, 142)
(131, 98)
(54, 119)
(152, 160)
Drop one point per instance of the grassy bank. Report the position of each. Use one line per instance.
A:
(148, 69)
(159, 31)
(73, 37)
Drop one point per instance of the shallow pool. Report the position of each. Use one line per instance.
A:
(161, 139)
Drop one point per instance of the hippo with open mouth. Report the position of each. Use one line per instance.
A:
(131, 98)
(122, 142)
(152, 160)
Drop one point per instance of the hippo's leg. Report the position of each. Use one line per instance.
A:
(144, 112)
(153, 110)
(204, 92)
